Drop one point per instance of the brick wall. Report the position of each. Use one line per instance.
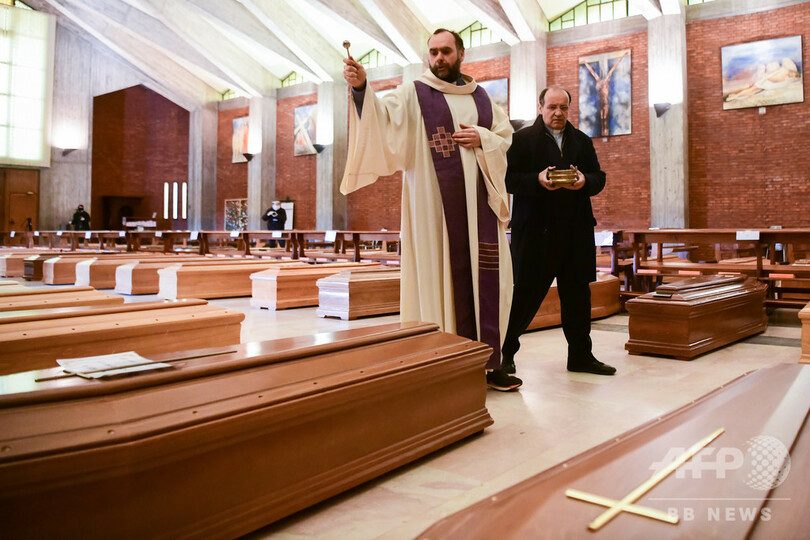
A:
(379, 205)
(746, 169)
(140, 141)
(232, 178)
(625, 201)
(295, 175)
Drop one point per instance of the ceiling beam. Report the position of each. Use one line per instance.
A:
(166, 76)
(319, 57)
(491, 14)
(180, 17)
(231, 17)
(650, 9)
(352, 14)
(526, 17)
(138, 24)
(402, 26)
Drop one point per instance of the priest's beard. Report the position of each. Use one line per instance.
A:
(452, 74)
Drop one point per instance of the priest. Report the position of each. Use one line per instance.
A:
(450, 140)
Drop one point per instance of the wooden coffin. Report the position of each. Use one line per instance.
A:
(604, 302)
(722, 494)
(13, 299)
(232, 438)
(693, 316)
(101, 273)
(12, 263)
(360, 292)
(142, 277)
(224, 280)
(34, 339)
(804, 317)
(292, 286)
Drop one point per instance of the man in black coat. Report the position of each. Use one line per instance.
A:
(275, 217)
(81, 219)
(552, 229)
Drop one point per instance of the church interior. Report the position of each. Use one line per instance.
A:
(282, 395)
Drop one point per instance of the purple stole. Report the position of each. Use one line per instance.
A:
(447, 161)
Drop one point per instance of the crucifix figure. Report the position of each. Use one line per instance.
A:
(603, 89)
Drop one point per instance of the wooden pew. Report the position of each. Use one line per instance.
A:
(604, 302)
(34, 339)
(224, 279)
(359, 292)
(231, 439)
(289, 286)
(15, 299)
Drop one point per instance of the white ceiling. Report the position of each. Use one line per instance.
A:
(198, 47)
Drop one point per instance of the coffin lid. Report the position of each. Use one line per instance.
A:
(703, 288)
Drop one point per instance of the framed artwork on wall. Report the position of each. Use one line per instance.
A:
(605, 96)
(762, 73)
(236, 214)
(239, 141)
(305, 120)
(498, 90)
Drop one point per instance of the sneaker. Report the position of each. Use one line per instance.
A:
(502, 381)
(508, 366)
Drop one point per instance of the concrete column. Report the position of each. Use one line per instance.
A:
(527, 77)
(202, 168)
(262, 168)
(669, 143)
(332, 134)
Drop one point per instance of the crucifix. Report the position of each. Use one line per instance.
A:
(614, 508)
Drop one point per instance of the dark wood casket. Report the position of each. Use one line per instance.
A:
(690, 317)
(750, 482)
(232, 438)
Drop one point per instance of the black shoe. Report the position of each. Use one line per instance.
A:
(508, 366)
(592, 366)
(503, 382)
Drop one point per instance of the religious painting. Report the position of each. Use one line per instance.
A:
(605, 96)
(239, 141)
(236, 214)
(498, 90)
(305, 117)
(762, 73)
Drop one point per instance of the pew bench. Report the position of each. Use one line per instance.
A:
(34, 339)
(234, 438)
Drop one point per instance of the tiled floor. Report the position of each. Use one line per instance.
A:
(553, 417)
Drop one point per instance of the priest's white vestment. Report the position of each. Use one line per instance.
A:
(388, 136)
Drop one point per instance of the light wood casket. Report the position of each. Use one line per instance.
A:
(232, 438)
(359, 293)
(690, 317)
(34, 339)
(292, 286)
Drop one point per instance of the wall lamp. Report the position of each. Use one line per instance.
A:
(661, 108)
(319, 147)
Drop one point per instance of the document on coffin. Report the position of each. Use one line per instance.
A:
(110, 365)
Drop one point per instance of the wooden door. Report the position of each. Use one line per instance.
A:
(20, 199)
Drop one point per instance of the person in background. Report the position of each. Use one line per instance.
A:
(275, 217)
(81, 219)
